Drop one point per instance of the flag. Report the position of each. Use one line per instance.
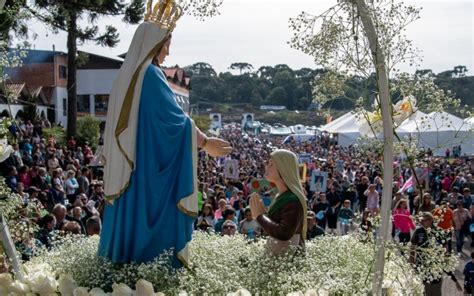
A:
(408, 184)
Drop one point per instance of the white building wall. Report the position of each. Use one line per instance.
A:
(14, 109)
(59, 94)
(95, 82)
(43, 109)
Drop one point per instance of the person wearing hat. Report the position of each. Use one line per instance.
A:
(421, 239)
(285, 222)
(313, 228)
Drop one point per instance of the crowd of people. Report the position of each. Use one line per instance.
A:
(62, 179)
(59, 179)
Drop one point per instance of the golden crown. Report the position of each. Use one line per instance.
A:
(164, 13)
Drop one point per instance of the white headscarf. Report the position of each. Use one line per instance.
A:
(287, 164)
(122, 115)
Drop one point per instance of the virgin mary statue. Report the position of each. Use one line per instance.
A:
(150, 152)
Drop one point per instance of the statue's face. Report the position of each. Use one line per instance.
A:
(271, 172)
(164, 52)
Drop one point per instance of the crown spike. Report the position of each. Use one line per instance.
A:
(159, 10)
(148, 9)
(164, 13)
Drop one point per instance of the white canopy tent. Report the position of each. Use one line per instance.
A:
(414, 120)
(439, 131)
(329, 126)
(346, 127)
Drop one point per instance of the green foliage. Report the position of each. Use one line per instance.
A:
(30, 112)
(461, 87)
(88, 129)
(279, 85)
(57, 132)
(241, 67)
(297, 89)
(277, 96)
(202, 122)
(58, 15)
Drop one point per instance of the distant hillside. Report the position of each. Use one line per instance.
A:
(282, 85)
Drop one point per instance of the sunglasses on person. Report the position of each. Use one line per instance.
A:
(228, 227)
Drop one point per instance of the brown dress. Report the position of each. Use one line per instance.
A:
(284, 225)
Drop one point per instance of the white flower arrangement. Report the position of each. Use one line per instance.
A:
(221, 265)
(20, 217)
(5, 148)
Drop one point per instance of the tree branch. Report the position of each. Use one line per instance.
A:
(388, 151)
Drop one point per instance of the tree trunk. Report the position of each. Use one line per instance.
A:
(2, 3)
(385, 105)
(71, 73)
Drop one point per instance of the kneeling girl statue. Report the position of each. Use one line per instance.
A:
(285, 222)
(150, 152)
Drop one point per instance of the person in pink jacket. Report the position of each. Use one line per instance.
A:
(402, 220)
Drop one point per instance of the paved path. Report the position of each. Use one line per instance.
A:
(449, 288)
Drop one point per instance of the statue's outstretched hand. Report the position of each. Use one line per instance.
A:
(217, 147)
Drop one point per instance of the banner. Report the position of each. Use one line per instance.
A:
(304, 158)
(319, 181)
(231, 169)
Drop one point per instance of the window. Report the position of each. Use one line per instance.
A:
(65, 107)
(101, 102)
(62, 71)
(83, 104)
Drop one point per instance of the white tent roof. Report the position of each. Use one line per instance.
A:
(439, 131)
(413, 121)
(348, 124)
(433, 122)
(335, 121)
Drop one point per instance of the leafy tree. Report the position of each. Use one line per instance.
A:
(277, 96)
(60, 15)
(30, 111)
(88, 129)
(266, 72)
(201, 69)
(284, 78)
(57, 132)
(256, 99)
(460, 71)
(425, 73)
(241, 67)
(13, 21)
